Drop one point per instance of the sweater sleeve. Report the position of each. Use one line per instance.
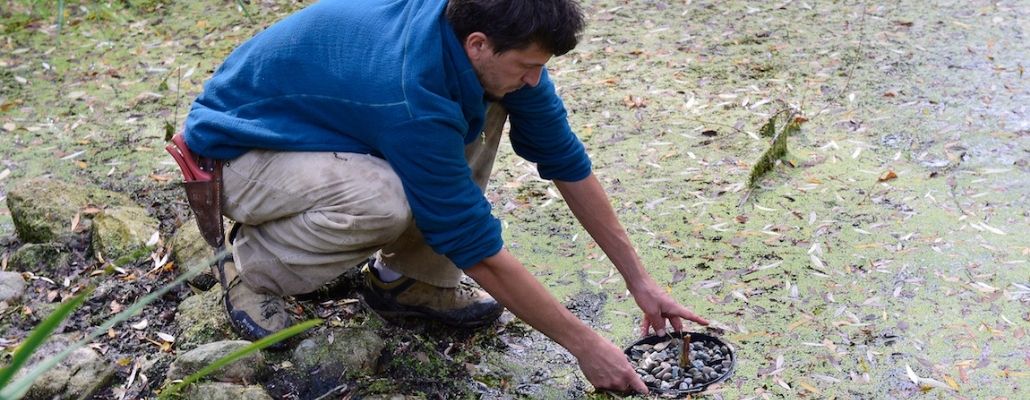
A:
(540, 132)
(449, 209)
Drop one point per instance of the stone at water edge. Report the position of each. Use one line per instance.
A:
(39, 258)
(12, 286)
(43, 208)
(201, 319)
(122, 231)
(352, 349)
(246, 369)
(225, 391)
(80, 375)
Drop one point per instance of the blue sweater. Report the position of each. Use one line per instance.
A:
(387, 78)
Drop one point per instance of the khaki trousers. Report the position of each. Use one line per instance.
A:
(309, 217)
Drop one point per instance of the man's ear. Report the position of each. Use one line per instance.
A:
(477, 45)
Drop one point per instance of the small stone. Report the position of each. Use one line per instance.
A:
(661, 346)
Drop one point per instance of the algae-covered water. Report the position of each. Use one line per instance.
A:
(886, 257)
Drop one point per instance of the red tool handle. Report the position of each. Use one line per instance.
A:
(188, 163)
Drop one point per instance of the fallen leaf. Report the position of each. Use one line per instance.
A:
(139, 326)
(889, 175)
(634, 102)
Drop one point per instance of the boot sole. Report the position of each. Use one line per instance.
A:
(377, 305)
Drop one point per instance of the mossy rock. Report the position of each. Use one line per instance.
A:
(39, 258)
(202, 320)
(352, 349)
(190, 250)
(43, 209)
(225, 391)
(123, 232)
(249, 368)
(80, 375)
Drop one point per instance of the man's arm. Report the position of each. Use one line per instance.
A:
(508, 281)
(588, 201)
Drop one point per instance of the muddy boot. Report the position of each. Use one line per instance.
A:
(463, 306)
(252, 315)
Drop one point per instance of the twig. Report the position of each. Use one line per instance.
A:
(685, 351)
(332, 392)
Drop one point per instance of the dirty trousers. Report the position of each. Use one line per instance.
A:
(308, 217)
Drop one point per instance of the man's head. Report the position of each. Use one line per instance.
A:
(509, 41)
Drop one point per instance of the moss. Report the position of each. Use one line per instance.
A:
(43, 208)
(202, 319)
(121, 233)
(40, 258)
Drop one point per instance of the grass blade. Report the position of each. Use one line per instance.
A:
(40, 334)
(243, 7)
(18, 388)
(60, 17)
(258, 345)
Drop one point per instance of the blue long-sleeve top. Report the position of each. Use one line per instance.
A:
(387, 78)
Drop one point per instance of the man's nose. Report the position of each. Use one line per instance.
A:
(532, 78)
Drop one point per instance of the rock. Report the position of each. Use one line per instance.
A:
(80, 375)
(42, 208)
(122, 232)
(354, 350)
(40, 258)
(202, 319)
(225, 391)
(12, 286)
(188, 247)
(249, 368)
(190, 250)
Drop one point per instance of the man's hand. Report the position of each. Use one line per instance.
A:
(606, 367)
(658, 307)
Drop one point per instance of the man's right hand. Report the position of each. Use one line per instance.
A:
(606, 367)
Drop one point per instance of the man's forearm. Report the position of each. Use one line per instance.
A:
(507, 280)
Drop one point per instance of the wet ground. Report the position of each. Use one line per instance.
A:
(886, 257)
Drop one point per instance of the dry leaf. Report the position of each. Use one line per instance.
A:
(889, 175)
(634, 102)
(139, 326)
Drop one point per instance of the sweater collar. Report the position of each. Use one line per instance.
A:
(471, 92)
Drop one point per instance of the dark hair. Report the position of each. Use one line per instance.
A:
(516, 24)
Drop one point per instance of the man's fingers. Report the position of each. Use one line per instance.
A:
(638, 385)
(696, 318)
(677, 324)
(659, 325)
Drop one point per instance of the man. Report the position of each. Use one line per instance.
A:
(356, 127)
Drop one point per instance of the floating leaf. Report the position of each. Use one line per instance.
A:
(889, 175)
